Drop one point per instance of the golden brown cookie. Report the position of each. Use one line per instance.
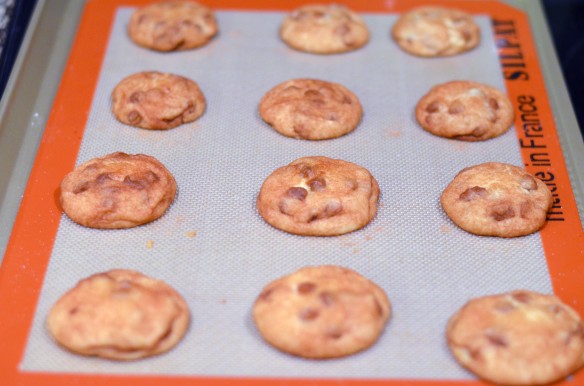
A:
(319, 196)
(321, 312)
(119, 314)
(311, 109)
(117, 191)
(497, 199)
(172, 26)
(324, 29)
(436, 31)
(157, 101)
(464, 110)
(517, 338)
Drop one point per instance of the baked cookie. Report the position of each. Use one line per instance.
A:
(319, 196)
(119, 314)
(157, 101)
(497, 199)
(324, 29)
(311, 109)
(117, 191)
(517, 338)
(436, 31)
(465, 110)
(321, 312)
(172, 26)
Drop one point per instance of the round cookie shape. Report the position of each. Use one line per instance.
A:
(436, 31)
(311, 109)
(517, 338)
(119, 314)
(497, 199)
(321, 312)
(324, 29)
(157, 101)
(464, 110)
(319, 196)
(172, 26)
(117, 191)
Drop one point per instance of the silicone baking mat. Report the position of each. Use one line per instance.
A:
(213, 247)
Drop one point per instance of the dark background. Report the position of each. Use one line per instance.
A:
(566, 23)
(565, 19)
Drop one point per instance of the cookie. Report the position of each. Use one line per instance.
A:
(117, 191)
(157, 101)
(172, 26)
(311, 109)
(517, 338)
(436, 31)
(120, 314)
(321, 312)
(319, 196)
(324, 29)
(497, 199)
(464, 110)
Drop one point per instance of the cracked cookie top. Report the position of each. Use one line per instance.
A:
(517, 338)
(319, 196)
(311, 109)
(436, 31)
(497, 199)
(157, 101)
(321, 312)
(117, 191)
(465, 110)
(324, 29)
(119, 314)
(172, 26)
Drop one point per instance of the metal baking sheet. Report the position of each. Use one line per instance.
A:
(411, 249)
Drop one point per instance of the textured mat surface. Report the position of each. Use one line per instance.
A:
(213, 247)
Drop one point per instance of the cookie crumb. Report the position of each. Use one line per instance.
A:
(393, 133)
(191, 234)
(445, 229)
(150, 244)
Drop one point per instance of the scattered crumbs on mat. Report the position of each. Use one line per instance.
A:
(357, 250)
(223, 301)
(378, 229)
(179, 220)
(143, 134)
(190, 234)
(392, 133)
(445, 229)
(347, 242)
(149, 244)
(368, 237)
(461, 146)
